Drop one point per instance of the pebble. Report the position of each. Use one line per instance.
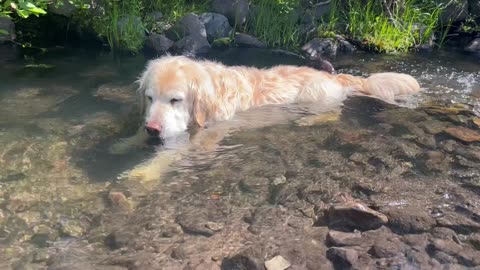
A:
(277, 263)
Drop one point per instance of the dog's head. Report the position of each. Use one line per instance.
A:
(174, 94)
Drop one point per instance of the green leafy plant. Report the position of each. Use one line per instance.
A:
(399, 28)
(24, 8)
(175, 9)
(276, 23)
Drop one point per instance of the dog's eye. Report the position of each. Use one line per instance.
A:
(150, 98)
(174, 100)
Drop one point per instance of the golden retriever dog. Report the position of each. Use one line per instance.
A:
(178, 93)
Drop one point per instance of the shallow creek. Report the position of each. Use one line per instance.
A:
(367, 186)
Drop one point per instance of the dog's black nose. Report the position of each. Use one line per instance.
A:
(152, 131)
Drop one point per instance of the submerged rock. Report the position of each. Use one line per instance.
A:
(342, 258)
(245, 40)
(116, 92)
(353, 215)
(464, 134)
(277, 263)
(340, 239)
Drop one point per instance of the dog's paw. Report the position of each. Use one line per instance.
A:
(312, 120)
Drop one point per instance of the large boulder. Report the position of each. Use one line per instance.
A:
(7, 29)
(454, 11)
(235, 10)
(158, 44)
(474, 46)
(63, 8)
(192, 45)
(189, 24)
(319, 47)
(216, 26)
(474, 8)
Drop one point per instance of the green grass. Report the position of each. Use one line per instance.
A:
(173, 10)
(276, 23)
(123, 32)
(371, 26)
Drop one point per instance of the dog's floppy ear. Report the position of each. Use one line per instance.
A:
(141, 81)
(199, 110)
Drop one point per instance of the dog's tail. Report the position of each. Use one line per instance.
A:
(381, 85)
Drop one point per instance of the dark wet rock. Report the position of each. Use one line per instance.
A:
(245, 40)
(474, 7)
(277, 263)
(340, 239)
(342, 258)
(235, 10)
(77, 255)
(474, 240)
(433, 127)
(454, 11)
(319, 47)
(264, 217)
(449, 145)
(445, 234)
(192, 45)
(6, 25)
(216, 26)
(258, 186)
(118, 239)
(473, 46)
(43, 235)
(73, 228)
(41, 255)
(247, 259)
(462, 255)
(464, 134)
(458, 223)
(409, 220)
(353, 215)
(179, 253)
(21, 202)
(197, 223)
(188, 25)
(119, 200)
(387, 248)
(416, 241)
(158, 44)
(321, 64)
(63, 8)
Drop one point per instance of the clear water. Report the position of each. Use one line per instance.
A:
(56, 129)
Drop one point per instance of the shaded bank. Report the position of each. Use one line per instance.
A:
(315, 28)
